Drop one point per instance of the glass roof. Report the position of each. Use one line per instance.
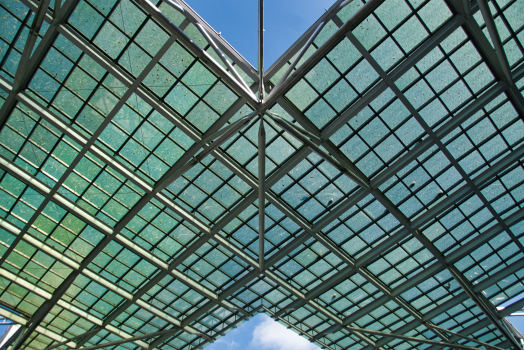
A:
(394, 176)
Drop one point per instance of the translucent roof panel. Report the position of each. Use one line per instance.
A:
(130, 147)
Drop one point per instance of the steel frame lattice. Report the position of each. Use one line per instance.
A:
(360, 257)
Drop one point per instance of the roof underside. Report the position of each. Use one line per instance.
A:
(104, 239)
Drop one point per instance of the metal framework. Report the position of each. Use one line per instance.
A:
(365, 190)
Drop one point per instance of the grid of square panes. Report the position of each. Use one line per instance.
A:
(209, 189)
(363, 133)
(159, 230)
(243, 148)
(313, 187)
(319, 94)
(190, 89)
(509, 27)
(214, 267)
(243, 230)
(308, 265)
(16, 23)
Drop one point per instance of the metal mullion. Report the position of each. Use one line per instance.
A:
(211, 194)
(463, 174)
(60, 84)
(395, 293)
(290, 53)
(16, 37)
(159, 17)
(512, 34)
(487, 52)
(39, 315)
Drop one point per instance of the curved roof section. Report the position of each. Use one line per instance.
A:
(393, 176)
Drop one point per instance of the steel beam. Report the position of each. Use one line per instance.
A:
(21, 70)
(322, 51)
(260, 50)
(495, 39)
(40, 314)
(197, 51)
(298, 57)
(29, 67)
(261, 192)
(480, 300)
(65, 305)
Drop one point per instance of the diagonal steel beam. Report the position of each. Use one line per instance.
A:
(28, 68)
(29, 44)
(495, 39)
(321, 52)
(223, 45)
(65, 305)
(197, 51)
(479, 299)
(79, 212)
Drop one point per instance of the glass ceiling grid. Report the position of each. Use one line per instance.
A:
(153, 233)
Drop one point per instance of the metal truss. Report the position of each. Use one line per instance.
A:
(261, 187)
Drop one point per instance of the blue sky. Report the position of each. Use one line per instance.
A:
(285, 22)
(261, 333)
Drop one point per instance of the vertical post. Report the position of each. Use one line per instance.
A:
(261, 50)
(261, 191)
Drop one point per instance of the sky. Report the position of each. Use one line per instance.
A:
(261, 333)
(237, 20)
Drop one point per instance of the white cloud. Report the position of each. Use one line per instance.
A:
(230, 344)
(271, 335)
